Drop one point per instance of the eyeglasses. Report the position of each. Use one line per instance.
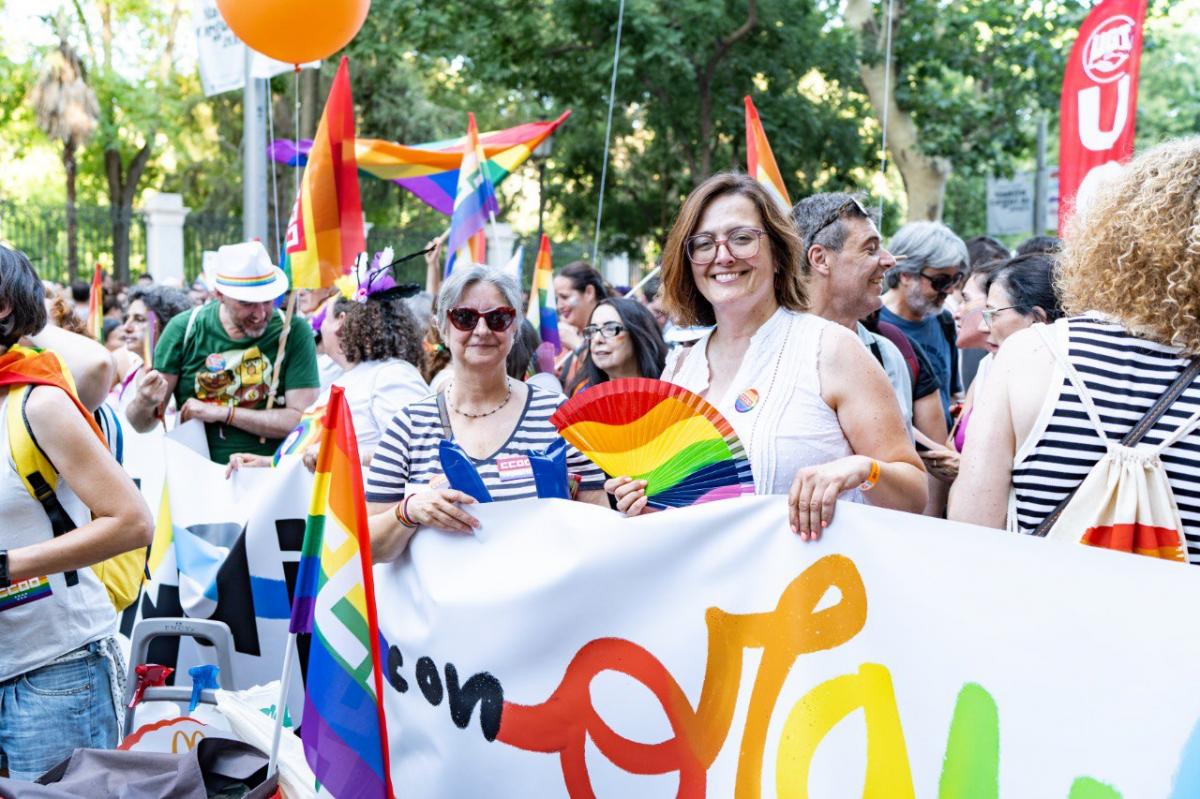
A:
(497, 319)
(944, 283)
(989, 314)
(606, 330)
(832, 217)
(742, 242)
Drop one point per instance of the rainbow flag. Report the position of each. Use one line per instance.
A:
(760, 161)
(95, 318)
(430, 170)
(542, 313)
(325, 233)
(344, 734)
(149, 339)
(476, 200)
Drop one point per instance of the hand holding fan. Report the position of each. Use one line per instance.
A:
(659, 432)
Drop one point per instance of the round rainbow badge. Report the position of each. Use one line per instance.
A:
(746, 400)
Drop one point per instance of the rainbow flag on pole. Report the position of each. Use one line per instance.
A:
(476, 199)
(430, 170)
(760, 161)
(344, 734)
(325, 232)
(542, 313)
(95, 317)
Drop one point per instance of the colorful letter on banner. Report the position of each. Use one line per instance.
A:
(542, 312)
(1098, 108)
(325, 233)
(345, 739)
(760, 161)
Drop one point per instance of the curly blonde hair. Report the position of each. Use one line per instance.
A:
(1133, 250)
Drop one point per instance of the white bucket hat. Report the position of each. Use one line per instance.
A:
(245, 272)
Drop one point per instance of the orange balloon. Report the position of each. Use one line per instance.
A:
(295, 31)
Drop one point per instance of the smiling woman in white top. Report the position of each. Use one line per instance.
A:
(812, 407)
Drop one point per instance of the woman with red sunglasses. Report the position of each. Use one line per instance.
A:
(496, 420)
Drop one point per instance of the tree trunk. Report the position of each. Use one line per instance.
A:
(924, 175)
(121, 192)
(704, 81)
(68, 159)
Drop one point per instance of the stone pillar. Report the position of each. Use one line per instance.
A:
(164, 237)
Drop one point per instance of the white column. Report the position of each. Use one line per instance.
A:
(615, 269)
(164, 237)
(499, 246)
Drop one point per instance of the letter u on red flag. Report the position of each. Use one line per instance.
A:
(1099, 100)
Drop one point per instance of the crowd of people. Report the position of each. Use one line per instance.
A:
(921, 373)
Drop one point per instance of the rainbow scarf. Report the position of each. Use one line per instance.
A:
(430, 170)
(344, 734)
(760, 161)
(474, 203)
(542, 313)
(325, 233)
(23, 366)
(95, 318)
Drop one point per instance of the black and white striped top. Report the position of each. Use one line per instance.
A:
(408, 453)
(1124, 375)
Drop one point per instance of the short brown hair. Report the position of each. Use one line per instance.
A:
(682, 298)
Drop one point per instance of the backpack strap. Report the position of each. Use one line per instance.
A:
(1138, 431)
(34, 467)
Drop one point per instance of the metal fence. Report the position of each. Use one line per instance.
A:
(203, 232)
(40, 231)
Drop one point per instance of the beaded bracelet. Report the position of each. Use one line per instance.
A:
(872, 477)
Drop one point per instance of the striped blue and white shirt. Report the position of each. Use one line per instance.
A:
(407, 461)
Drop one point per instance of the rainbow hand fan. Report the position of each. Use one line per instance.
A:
(659, 432)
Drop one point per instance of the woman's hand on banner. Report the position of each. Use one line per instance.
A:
(248, 460)
(440, 508)
(629, 493)
(815, 490)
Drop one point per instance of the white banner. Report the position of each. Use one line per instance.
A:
(565, 650)
(222, 55)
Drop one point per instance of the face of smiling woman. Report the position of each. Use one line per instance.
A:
(735, 285)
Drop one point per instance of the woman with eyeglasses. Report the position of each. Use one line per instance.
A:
(1020, 293)
(622, 340)
(495, 419)
(814, 410)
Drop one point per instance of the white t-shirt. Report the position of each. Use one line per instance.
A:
(375, 392)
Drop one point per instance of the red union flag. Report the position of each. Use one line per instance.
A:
(1099, 100)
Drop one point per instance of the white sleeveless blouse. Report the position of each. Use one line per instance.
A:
(774, 403)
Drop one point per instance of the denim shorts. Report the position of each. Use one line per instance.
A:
(48, 713)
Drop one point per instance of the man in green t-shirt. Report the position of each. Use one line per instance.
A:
(219, 361)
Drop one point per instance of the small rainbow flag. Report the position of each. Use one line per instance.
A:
(542, 313)
(149, 339)
(430, 170)
(760, 161)
(95, 317)
(325, 232)
(344, 733)
(475, 202)
(303, 435)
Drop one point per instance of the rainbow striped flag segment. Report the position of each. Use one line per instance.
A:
(760, 161)
(325, 233)
(344, 734)
(430, 170)
(95, 317)
(542, 313)
(476, 200)
(149, 338)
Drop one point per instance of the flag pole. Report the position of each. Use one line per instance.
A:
(285, 684)
(649, 276)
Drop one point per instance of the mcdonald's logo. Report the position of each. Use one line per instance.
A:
(189, 741)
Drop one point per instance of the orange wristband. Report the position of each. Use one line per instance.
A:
(872, 477)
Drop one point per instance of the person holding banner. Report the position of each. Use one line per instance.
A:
(496, 420)
(60, 665)
(151, 305)
(814, 410)
(1129, 277)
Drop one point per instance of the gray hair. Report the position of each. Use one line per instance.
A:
(918, 245)
(811, 217)
(421, 305)
(462, 279)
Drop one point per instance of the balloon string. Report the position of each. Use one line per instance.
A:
(296, 172)
(273, 165)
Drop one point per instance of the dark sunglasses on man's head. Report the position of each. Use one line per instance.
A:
(497, 319)
(944, 283)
